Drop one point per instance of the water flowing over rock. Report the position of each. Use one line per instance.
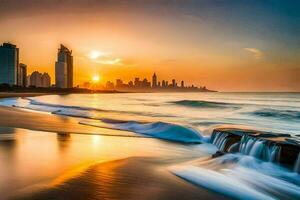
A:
(282, 149)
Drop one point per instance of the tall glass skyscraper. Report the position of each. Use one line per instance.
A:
(9, 63)
(64, 68)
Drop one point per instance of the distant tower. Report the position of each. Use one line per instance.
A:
(173, 83)
(154, 81)
(22, 75)
(46, 80)
(119, 83)
(64, 68)
(163, 84)
(137, 82)
(36, 79)
(182, 84)
(9, 64)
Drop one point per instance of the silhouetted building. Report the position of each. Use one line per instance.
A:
(46, 80)
(110, 85)
(64, 68)
(146, 83)
(86, 84)
(36, 79)
(154, 81)
(119, 83)
(137, 82)
(28, 81)
(173, 83)
(130, 84)
(22, 75)
(9, 63)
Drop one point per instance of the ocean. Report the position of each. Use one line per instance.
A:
(279, 112)
(185, 122)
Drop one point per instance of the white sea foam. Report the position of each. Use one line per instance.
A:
(242, 177)
(162, 130)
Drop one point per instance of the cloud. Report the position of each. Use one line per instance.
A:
(104, 58)
(258, 54)
(95, 54)
(115, 61)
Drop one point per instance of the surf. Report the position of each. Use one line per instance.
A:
(160, 130)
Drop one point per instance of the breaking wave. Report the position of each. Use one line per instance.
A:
(242, 177)
(204, 104)
(161, 130)
(280, 114)
(81, 111)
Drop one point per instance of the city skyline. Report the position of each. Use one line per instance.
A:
(143, 84)
(10, 62)
(226, 45)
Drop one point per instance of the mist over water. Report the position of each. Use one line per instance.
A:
(251, 173)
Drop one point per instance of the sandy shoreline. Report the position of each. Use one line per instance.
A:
(17, 94)
(22, 118)
(133, 178)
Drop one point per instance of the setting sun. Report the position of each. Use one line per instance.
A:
(94, 55)
(96, 78)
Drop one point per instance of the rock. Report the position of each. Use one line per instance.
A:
(218, 154)
(279, 148)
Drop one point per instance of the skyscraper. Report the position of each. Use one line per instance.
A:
(64, 68)
(154, 81)
(173, 83)
(46, 80)
(36, 79)
(9, 62)
(163, 84)
(182, 84)
(22, 75)
(137, 82)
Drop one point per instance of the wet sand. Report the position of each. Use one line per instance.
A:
(21, 118)
(18, 94)
(131, 178)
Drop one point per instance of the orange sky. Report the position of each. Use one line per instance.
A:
(126, 41)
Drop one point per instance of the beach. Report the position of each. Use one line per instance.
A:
(121, 146)
(124, 177)
(131, 178)
(10, 117)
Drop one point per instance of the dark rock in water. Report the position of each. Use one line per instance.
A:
(234, 148)
(218, 154)
(224, 140)
(283, 149)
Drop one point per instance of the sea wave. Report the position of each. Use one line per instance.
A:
(38, 103)
(280, 114)
(82, 111)
(241, 177)
(161, 130)
(204, 104)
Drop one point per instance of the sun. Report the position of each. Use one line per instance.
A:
(94, 55)
(96, 78)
